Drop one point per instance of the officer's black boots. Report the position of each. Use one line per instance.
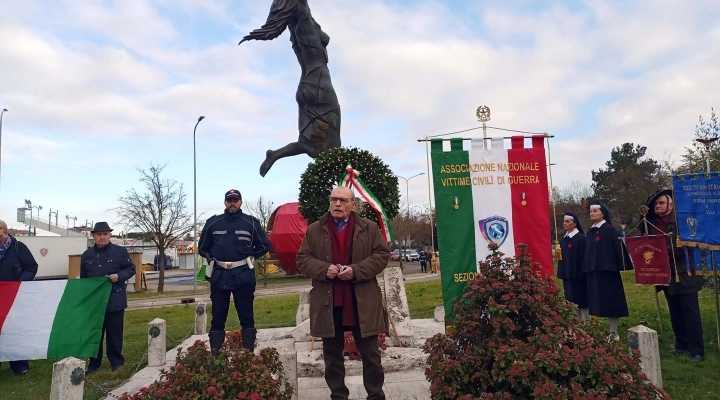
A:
(248, 338)
(217, 338)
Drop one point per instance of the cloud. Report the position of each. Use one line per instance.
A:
(595, 74)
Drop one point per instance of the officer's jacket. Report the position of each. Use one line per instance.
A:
(229, 238)
(104, 261)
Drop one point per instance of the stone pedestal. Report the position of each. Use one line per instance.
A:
(397, 303)
(645, 340)
(440, 313)
(303, 311)
(200, 327)
(68, 379)
(288, 357)
(157, 340)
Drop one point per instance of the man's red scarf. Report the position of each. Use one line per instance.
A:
(341, 246)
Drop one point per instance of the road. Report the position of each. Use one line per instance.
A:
(412, 274)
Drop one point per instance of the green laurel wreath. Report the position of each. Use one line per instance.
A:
(322, 175)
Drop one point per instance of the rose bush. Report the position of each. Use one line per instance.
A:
(235, 373)
(515, 337)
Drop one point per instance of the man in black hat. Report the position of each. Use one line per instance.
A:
(229, 242)
(682, 291)
(112, 261)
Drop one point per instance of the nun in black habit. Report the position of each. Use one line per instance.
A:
(603, 263)
(570, 267)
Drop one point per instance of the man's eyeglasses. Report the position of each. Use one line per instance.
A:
(343, 200)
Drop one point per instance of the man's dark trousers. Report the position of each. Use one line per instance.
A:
(243, 298)
(112, 333)
(686, 323)
(373, 374)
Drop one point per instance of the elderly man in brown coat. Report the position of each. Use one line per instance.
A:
(343, 253)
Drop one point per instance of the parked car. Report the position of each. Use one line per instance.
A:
(168, 262)
(411, 256)
(395, 255)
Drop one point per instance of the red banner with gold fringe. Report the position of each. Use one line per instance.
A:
(650, 258)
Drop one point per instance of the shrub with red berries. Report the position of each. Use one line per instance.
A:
(235, 373)
(515, 337)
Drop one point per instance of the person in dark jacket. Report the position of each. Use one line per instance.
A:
(423, 261)
(685, 282)
(112, 261)
(571, 267)
(603, 262)
(16, 264)
(229, 242)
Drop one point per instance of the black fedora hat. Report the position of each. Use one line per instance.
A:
(101, 227)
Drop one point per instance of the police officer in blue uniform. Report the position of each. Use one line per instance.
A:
(112, 261)
(229, 242)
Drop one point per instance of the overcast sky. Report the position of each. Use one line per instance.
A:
(97, 88)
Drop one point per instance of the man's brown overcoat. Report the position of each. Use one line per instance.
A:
(370, 255)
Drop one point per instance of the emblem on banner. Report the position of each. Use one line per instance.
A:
(692, 225)
(494, 229)
(648, 256)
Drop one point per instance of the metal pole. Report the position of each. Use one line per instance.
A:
(195, 249)
(432, 260)
(712, 258)
(49, 219)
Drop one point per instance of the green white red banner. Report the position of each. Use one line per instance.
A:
(487, 194)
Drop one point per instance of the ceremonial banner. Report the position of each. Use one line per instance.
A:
(488, 195)
(52, 319)
(697, 203)
(650, 258)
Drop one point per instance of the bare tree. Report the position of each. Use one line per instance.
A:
(575, 193)
(262, 210)
(159, 212)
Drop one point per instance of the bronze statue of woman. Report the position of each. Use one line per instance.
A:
(319, 119)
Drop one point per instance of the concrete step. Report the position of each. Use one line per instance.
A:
(406, 385)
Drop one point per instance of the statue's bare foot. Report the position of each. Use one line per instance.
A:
(267, 164)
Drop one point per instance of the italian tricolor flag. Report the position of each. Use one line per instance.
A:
(52, 319)
(486, 193)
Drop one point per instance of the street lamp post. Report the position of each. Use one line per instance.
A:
(50, 219)
(707, 143)
(28, 206)
(4, 110)
(195, 249)
(407, 197)
(38, 214)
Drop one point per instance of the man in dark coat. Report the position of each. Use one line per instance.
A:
(229, 242)
(603, 262)
(343, 253)
(16, 264)
(112, 261)
(571, 267)
(685, 282)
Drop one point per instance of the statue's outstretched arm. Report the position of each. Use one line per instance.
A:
(281, 12)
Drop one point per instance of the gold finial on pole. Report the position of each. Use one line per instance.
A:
(483, 115)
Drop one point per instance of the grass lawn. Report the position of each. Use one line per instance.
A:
(682, 379)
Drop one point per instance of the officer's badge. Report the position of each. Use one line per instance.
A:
(494, 229)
